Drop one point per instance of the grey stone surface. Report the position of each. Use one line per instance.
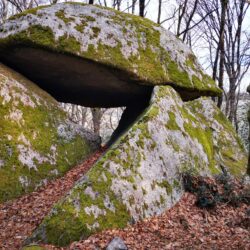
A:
(117, 244)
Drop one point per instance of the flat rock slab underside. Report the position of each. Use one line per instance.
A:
(75, 80)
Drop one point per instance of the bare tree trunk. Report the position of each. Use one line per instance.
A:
(190, 18)
(211, 30)
(96, 118)
(235, 118)
(119, 4)
(215, 64)
(84, 115)
(181, 12)
(159, 12)
(237, 52)
(231, 99)
(142, 7)
(133, 6)
(222, 48)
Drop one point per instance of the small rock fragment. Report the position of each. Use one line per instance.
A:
(117, 244)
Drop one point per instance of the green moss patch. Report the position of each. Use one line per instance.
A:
(31, 149)
(225, 144)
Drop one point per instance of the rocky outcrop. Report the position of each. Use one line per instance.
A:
(37, 141)
(96, 56)
(141, 175)
(99, 57)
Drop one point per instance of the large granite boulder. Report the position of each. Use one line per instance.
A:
(141, 174)
(37, 141)
(97, 56)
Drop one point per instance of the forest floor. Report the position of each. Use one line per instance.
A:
(19, 218)
(185, 226)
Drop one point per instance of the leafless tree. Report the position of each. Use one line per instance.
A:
(210, 29)
(221, 46)
(117, 4)
(3, 10)
(184, 18)
(159, 11)
(229, 47)
(142, 8)
(22, 5)
(237, 50)
(133, 6)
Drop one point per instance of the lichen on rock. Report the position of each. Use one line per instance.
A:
(35, 142)
(141, 174)
(115, 59)
(229, 152)
(141, 49)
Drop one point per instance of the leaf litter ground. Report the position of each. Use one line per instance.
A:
(185, 226)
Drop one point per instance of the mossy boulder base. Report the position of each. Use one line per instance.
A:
(141, 175)
(37, 141)
(127, 49)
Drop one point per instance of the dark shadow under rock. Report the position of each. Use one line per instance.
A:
(75, 80)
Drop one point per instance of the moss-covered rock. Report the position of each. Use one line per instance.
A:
(37, 141)
(141, 175)
(229, 151)
(142, 50)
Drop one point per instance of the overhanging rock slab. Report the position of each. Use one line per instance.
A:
(80, 52)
